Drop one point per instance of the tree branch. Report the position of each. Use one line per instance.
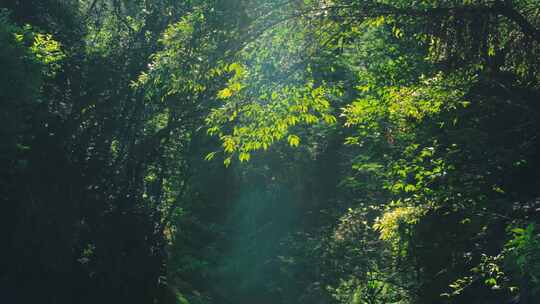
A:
(526, 27)
(374, 9)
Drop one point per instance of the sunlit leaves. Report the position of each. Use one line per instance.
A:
(210, 156)
(48, 51)
(27, 57)
(227, 161)
(389, 224)
(234, 84)
(399, 104)
(293, 140)
(229, 144)
(225, 93)
(258, 122)
(244, 156)
(175, 70)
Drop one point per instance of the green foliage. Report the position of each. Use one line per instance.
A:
(523, 256)
(392, 222)
(27, 56)
(28, 59)
(258, 124)
(374, 151)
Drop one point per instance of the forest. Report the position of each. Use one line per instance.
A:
(270, 151)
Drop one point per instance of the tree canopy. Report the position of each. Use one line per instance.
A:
(270, 151)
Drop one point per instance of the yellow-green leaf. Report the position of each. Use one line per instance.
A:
(244, 156)
(225, 93)
(293, 140)
(210, 156)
